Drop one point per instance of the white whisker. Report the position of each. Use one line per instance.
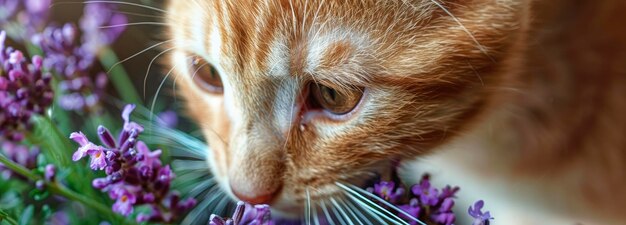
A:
(343, 213)
(201, 208)
(352, 209)
(145, 79)
(325, 210)
(156, 95)
(373, 212)
(133, 24)
(354, 194)
(351, 212)
(190, 165)
(111, 2)
(139, 14)
(386, 203)
(307, 208)
(138, 53)
(201, 187)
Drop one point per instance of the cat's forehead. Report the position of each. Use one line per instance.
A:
(291, 38)
(341, 42)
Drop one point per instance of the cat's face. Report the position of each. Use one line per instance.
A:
(294, 97)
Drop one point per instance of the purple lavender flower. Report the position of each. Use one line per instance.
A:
(476, 212)
(101, 26)
(246, 214)
(387, 190)
(412, 208)
(135, 174)
(427, 194)
(444, 214)
(125, 200)
(72, 57)
(24, 91)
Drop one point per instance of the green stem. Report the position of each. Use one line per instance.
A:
(59, 189)
(18, 168)
(119, 77)
(5, 217)
(9, 220)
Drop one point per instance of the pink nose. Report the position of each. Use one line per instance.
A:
(257, 197)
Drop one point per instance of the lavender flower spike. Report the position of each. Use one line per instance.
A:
(135, 174)
(24, 91)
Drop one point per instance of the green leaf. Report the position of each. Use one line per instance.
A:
(54, 145)
(27, 215)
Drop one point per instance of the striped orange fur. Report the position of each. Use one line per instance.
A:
(519, 85)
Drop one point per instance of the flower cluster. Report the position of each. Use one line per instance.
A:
(135, 175)
(24, 91)
(245, 214)
(20, 154)
(24, 17)
(72, 59)
(427, 203)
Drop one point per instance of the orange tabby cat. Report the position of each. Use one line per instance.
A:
(520, 102)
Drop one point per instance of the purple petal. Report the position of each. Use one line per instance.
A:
(79, 138)
(98, 159)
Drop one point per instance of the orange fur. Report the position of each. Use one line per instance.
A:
(430, 78)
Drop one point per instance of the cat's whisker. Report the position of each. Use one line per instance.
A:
(374, 212)
(134, 24)
(139, 14)
(197, 190)
(338, 215)
(307, 207)
(137, 54)
(183, 144)
(471, 35)
(194, 175)
(343, 214)
(190, 165)
(158, 91)
(355, 213)
(326, 213)
(202, 207)
(315, 215)
(385, 202)
(145, 79)
(356, 196)
(222, 205)
(111, 2)
(367, 210)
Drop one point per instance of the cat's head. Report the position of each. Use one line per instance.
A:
(294, 96)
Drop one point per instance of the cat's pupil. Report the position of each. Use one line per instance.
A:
(330, 94)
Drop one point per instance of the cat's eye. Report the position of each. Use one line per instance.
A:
(206, 76)
(334, 101)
